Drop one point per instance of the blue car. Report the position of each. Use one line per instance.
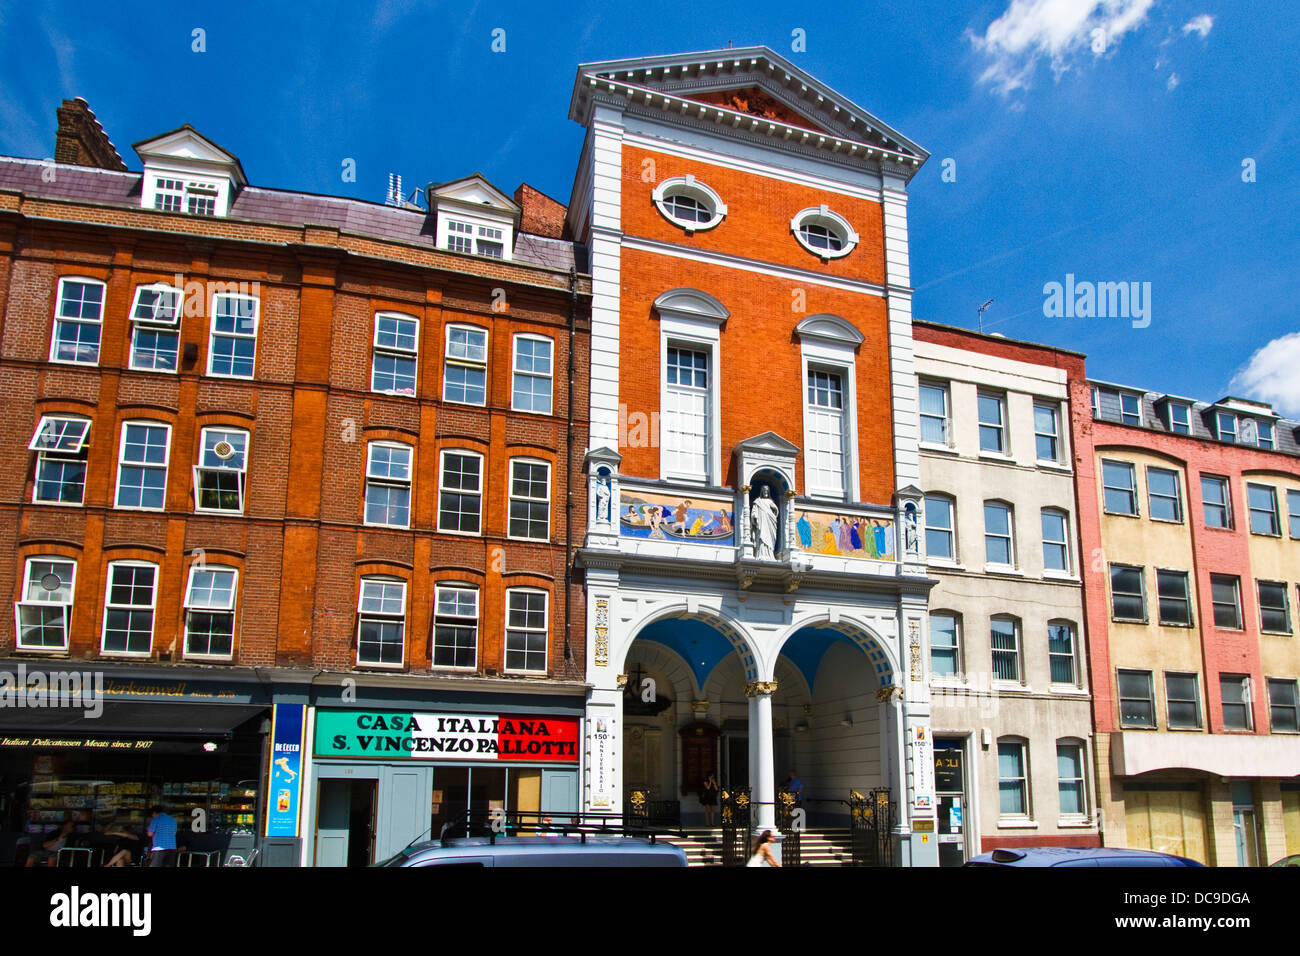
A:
(1079, 856)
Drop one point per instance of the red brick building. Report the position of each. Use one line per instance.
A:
(1190, 525)
(305, 449)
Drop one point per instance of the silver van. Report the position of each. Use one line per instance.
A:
(513, 851)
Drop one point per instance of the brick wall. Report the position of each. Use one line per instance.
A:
(300, 547)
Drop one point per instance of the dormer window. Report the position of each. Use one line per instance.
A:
(1226, 423)
(474, 217)
(1180, 418)
(187, 173)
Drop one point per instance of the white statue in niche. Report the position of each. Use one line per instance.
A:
(763, 520)
(602, 500)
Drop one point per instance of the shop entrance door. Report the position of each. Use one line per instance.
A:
(1243, 823)
(950, 793)
(345, 822)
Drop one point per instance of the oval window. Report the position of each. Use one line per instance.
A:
(825, 234)
(689, 204)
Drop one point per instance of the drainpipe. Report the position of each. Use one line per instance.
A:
(568, 471)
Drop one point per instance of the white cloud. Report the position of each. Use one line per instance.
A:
(1270, 375)
(1029, 30)
(1172, 82)
(1201, 25)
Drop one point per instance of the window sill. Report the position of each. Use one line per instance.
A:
(1068, 690)
(1121, 514)
(453, 669)
(1055, 466)
(45, 651)
(129, 655)
(1007, 569)
(237, 378)
(1276, 633)
(94, 364)
(1173, 521)
(1011, 687)
(210, 658)
(61, 504)
(461, 534)
(945, 564)
(518, 673)
(155, 371)
(1184, 730)
(1017, 823)
(942, 449)
(998, 457)
(377, 666)
(1074, 823)
(1050, 575)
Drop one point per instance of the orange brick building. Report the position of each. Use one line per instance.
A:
(755, 587)
(286, 451)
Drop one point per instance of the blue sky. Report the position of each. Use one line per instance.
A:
(1099, 138)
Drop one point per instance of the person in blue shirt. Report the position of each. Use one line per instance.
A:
(162, 838)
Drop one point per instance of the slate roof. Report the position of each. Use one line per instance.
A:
(278, 206)
(1285, 439)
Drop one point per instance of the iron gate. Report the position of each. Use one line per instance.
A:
(735, 805)
(642, 807)
(871, 820)
(790, 821)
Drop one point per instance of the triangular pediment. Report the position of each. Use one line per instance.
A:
(752, 89)
(186, 147)
(768, 443)
(475, 190)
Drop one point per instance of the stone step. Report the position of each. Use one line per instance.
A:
(827, 847)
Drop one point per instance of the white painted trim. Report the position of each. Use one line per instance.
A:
(790, 273)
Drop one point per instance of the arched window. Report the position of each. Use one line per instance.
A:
(940, 527)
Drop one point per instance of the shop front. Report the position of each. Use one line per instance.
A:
(101, 761)
(383, 778)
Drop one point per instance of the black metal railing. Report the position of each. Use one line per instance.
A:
(790, 819)
(735, 813)
(871, 824)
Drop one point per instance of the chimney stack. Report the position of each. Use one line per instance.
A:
(81, 141)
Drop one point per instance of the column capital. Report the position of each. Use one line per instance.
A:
(886, 694)
(760, 688)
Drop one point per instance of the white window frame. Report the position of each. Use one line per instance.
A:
(1246, 703)
(1124, 415)
(958, 645)
(1177, 425)
(1238, 610)
(1274, 512)
(1063, 543)
(27, 601)
(814, 487)
(950, 531)
(1170, 700)
(821, 355)
(480, 231)
(153, 609)
(1149, 699)
(241, 471)
(156, 325)
(237, 336)
(945, 421)
(1131, 488)
(448, 360)
(1294, 706)
(1269, 442)
(1056, 437)
(1142, 593)
(1186, 598)
(213, 609)
(511, 498)
(123, 463)
(832, 222)
(98, 321)
(516, 373)
(1226, 506)
(187, 191)
(387, 481)
(1177, 496)
(1081, 781)
(1010, 536)
(1076, 679)
(1017, 652)
(443, 489)
(1004, 449)
(59, 455)
(396, 352)
(383, 580)
(712, 416)
(1293, 513)
(1027, 807)
(1225, 434)
(1285, 609)
(455, 620)
(545, 631)
(691, 187)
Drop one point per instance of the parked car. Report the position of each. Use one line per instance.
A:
(616, 851)
(1078, 856)
(1293, 860)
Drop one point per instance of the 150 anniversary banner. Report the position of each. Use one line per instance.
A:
(390, 735)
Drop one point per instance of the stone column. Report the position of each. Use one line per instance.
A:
(762, 774)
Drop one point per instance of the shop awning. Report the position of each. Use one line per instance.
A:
(129, 720)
